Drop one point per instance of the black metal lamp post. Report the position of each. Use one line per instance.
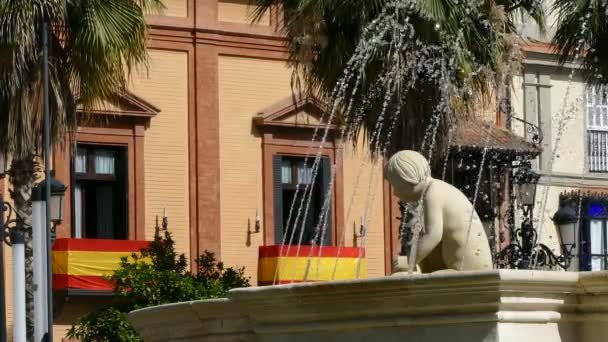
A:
(525, 252)
(15, 238)
(525, 181)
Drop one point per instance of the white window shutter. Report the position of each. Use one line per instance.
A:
(597, 128)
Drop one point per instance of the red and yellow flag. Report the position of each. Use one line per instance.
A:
(308, 263)
(82, 263)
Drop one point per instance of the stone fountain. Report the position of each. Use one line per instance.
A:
(468, 306)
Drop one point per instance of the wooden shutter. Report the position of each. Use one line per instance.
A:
(121, 195)
(597, 129)
(277, 193)
(325, 179)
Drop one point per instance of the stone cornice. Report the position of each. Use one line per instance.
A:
(571, 180)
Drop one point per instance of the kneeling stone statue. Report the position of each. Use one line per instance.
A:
(445, 217)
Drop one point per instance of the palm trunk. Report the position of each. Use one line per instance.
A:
(22, 179)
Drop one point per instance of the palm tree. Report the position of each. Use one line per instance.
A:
(582, 31)
(91, 44)
(322, 35)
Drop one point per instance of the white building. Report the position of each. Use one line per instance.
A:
(573, 118)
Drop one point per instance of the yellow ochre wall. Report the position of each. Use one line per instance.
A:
(165, 85)
(8, 269)
(175, 8)
(247, 85)
(363, 186)
(239, 11)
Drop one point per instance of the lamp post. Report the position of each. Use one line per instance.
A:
(525, 251)
(39, 237)
(525, 181)
(566, 220)
(43, 261)
(17, 240)
(3, 334)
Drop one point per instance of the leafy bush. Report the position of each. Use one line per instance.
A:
(158, 275)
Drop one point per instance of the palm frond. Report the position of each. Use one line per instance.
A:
(93, 45)
(582, 30)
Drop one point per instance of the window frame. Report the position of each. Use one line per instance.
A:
(272, 147)
(323, 172)
(585, 254)
(91, 176)
(123, 125)
(596, 134)
(91, 173)
(280, 136)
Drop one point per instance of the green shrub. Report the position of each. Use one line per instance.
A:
(158, 275)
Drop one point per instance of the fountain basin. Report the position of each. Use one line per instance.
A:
(498, 305)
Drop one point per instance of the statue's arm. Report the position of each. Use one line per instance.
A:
(433, 224)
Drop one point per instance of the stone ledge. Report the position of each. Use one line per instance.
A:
(559, 303)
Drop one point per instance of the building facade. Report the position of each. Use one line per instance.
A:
(573, 166)
(212, 135)
(198, 134)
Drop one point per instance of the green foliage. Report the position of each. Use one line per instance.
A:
(109, 324)
(582, 30)
(157, 275)
(478, 37)
(90, 45)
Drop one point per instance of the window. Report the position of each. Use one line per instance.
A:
(594, 236)
(100, 197)
(288, 171)
(597, 129)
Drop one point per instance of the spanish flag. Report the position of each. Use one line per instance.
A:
(82, 263)
(291, 264)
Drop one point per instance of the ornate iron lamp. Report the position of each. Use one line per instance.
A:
(566, 220)
(525, 251)
(15, 238)
(57, 196)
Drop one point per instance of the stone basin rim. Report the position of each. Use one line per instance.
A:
(526, 278)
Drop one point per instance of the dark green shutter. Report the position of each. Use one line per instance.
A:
(277, 193)
(585, 246)
(121, 195)
(325, 179)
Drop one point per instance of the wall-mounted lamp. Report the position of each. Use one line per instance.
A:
(257, 221)
(362, 232)
(165, 223)
(257, 227)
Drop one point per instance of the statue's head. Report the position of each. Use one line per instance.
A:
(408, 172)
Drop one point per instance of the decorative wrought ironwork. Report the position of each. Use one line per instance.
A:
(531, 129)
(525, 251)
(525, 174)
(9, 223)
